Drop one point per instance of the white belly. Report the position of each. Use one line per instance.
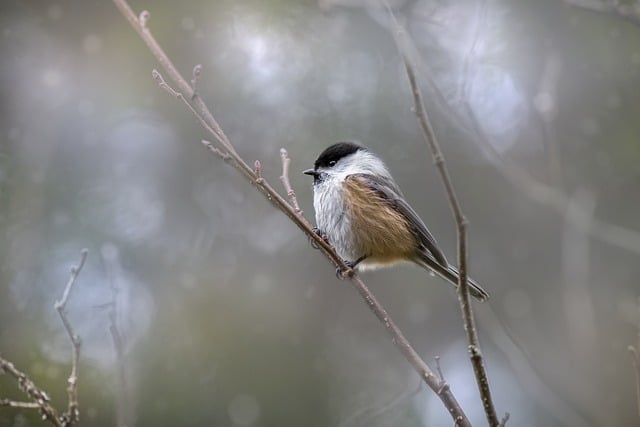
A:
(333, 220)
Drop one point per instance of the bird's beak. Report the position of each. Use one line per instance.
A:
(311, 172)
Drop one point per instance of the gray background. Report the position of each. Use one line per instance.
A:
(230, 317)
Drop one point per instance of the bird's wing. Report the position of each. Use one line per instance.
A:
(390, 191)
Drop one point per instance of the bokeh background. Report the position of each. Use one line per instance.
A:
(229, 317)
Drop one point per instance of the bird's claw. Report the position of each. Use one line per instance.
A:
(349, 271)
(320, 234)
(344, 273)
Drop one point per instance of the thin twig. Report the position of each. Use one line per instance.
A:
(624, 10)
(503, 421)
(257, 169)
(16, 404)
(73, 414)
(109, 258)
(461, 227)
(196, 73)
(231, 156)
(437, 358)
(286, 161)
(39, 397)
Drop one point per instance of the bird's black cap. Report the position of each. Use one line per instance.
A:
(336, 152)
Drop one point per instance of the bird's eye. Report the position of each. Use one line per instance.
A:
(332, 163)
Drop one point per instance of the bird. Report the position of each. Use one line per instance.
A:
(363, 214)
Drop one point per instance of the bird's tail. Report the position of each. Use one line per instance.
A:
(450, 274)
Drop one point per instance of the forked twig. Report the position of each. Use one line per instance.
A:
(286, 161)
(37, 395)
(40, 399)
(73, 414)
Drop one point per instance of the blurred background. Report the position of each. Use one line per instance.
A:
(228, 316)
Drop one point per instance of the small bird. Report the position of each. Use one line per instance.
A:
(365, 217)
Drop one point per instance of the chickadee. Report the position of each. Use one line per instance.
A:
(364, 215)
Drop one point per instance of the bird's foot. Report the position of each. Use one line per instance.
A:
(320, 234)
(343, 273)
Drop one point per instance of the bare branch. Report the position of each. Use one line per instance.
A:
(140, 25)
(286, 161)
(16, 404)
(461, 225)
(257, 169)
(109, 258)
(624, 10)
(39, 397)
(503, 421)
(215, 150)
(73, 414)
(229, 154)
(196, 73)
(437, 358)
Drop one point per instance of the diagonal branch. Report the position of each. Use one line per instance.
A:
(226, 151)
(625, 10)
(37, 395)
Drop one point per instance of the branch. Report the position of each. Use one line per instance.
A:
(40, 399)
(72, 415)
(284, 156)
(629, 12)
(461, 227)
(37, 395)
(109, 258)
(17, 404)
(612, 234)
(226, 151)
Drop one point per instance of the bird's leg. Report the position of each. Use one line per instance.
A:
(320, 234)
(354, 264)
(350, 270)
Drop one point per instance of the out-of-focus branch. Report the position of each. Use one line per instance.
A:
(109, 257)
(630, 12)
(17, 404)
(40, 399)
(121, 380)
(226, 151)
(72, 415)
(612, 234)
